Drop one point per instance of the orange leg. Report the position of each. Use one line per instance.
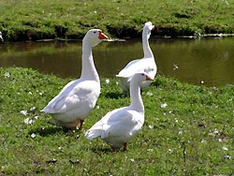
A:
(125, 147)
(114, 151)
(81, 124)
(72, 125)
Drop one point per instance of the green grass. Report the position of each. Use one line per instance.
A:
(192, 135)
(32, 20)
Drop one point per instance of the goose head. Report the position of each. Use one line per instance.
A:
(140, 77)
(148, 27)
(94, 37)
(1, 36)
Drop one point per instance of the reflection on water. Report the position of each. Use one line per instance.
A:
(192, 61)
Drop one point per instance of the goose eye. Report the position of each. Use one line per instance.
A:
(143, 74)
(94, 32)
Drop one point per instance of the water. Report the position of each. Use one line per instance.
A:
(193, 61)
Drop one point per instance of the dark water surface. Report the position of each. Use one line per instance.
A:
(192, 61)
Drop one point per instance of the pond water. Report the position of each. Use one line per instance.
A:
(190, 60)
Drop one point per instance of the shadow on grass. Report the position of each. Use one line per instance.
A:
(115, 95)
(48, 131)
(98, 150)
(106, 150)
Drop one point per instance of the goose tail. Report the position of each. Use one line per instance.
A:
(92, 133)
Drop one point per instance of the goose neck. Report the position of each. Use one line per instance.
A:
(146, 47)
(136, 100)
(88, 70)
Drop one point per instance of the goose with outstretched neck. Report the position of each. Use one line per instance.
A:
(146, 64)
(121, 125)
(76, 100)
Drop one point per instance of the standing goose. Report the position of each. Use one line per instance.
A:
(121, 125)
(1, 38)
(75, 101)
(144, 65)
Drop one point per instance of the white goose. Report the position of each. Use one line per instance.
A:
(146, 64)
(121, 125)
(73, 104)
(1, 38)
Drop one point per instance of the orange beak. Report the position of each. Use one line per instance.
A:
(102, 36)
(148, 78)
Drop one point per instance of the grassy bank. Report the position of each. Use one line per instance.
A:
(33, 20)
(188, 130)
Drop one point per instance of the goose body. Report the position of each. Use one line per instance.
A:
(146, 64)
(75, 101)
(121, 125)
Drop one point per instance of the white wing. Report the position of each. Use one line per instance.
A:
(146, 65)
(116, 123)
(73, 94)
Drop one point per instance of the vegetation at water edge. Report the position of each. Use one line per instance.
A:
(34, 20)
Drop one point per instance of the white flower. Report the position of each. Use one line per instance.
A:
(227, 157)
(215, 132)
(32, 108)
(107, 81)
(225, 148)
(132, 160)
(40, 93)
(29, 121)
(203, 141)
(7, 74)
(226, 2)
(149, 93)
(175, 67)
(24, 112)
(151, 126)
(33, 135)
(163, 105)
(26, 120)
(170, 150)
(30, 93)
